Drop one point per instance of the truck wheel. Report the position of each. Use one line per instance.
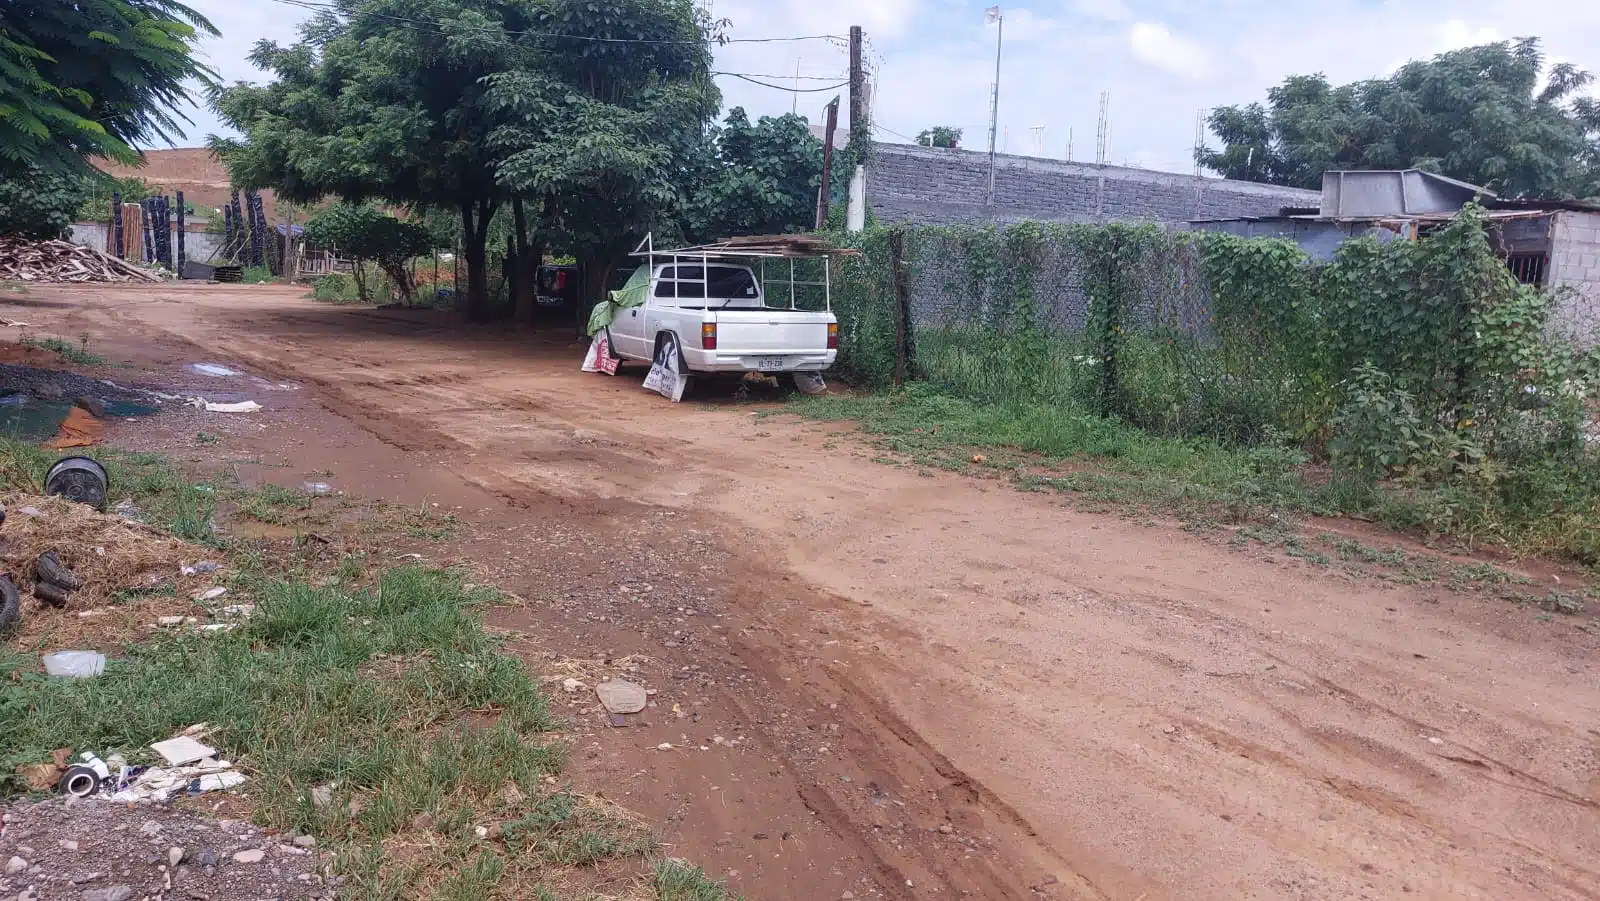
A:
(10, 604)
(669, 355)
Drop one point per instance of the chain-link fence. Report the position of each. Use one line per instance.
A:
(1181, 333)
(1114, 319)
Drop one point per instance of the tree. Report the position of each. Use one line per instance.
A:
(92, 78)
(574, 105)
(600, 131)
(755, 179)
(364, 233)
(1493, 115)
(372, 105)
(940, 136)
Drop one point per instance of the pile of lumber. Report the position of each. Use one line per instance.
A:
(26, 260)
(796, 246)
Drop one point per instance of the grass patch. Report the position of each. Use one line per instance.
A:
(380, 687)
(73, 353)
(677, 880)
(367, 692)
(1526, 511)
(274, 504)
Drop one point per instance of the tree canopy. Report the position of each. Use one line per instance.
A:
(585, 108)
(1494, 115)
(92, 78)
(755, 179)
(945, 136)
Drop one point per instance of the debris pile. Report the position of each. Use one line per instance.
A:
(85, 552)
(22, 259)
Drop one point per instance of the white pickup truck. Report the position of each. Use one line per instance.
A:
(708, 316)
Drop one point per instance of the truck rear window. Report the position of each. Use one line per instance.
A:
(693, 282)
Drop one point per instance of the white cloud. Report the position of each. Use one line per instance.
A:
(1102, 10)
(1455, 34)
(1155, 45)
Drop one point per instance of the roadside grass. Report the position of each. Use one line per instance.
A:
(677, 880)
(273, 503)
(369, 707)
(66, 350)
(1105, 465)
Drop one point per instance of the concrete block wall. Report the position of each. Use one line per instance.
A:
(934, 186)
(1575, 277)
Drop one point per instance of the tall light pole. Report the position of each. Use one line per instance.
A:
(992, 15)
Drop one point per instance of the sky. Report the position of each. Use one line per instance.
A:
(1162, 61)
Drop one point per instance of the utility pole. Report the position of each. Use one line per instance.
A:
(827, 164)
(992, 15)
(794, 108)
(858, 94)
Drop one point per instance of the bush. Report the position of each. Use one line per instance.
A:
(335, 288)
(39, 205)
(363, 233)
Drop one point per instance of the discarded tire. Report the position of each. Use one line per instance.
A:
(54, 595)
(78, 479)
(10, 605)
(50, 569)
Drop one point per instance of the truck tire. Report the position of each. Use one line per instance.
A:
(10, 604)
(669, 353)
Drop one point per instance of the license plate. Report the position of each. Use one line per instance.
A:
(770, 364)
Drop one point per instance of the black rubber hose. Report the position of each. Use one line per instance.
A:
(50, 568)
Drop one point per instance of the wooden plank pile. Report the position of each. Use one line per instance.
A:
(25, 260)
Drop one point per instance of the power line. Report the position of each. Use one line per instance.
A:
(789, 77)
(315, 6)
(779, 87)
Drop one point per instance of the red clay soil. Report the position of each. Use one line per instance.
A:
(925, 685)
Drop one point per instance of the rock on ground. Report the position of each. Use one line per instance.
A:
(99, 851)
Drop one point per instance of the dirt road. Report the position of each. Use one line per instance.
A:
(973, 690)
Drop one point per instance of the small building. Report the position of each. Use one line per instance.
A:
(1553, 244)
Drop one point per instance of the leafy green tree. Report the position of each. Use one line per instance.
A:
(1493, 115)
(578, 107)
(372, 105)
(755, 179)
(39, 204)
(599, 132)
(364, 233)
(92, 78)
(940, 136)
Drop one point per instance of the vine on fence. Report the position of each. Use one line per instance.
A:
(1421, 357)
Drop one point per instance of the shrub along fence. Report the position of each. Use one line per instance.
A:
(1408, 357)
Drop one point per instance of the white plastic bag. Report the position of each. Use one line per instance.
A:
(664, 377)
(599, 358)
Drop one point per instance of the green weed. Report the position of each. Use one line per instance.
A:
(73, 353)
(677, 880)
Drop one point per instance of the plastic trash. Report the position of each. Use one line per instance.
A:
(74, 664)
(85, 779)
(247, 406)
(80, 479)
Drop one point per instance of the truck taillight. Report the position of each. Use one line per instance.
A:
(833, 336)
(561, 282)
(708, 336)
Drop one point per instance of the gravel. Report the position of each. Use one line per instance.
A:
(61, 850)
(52, 384)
